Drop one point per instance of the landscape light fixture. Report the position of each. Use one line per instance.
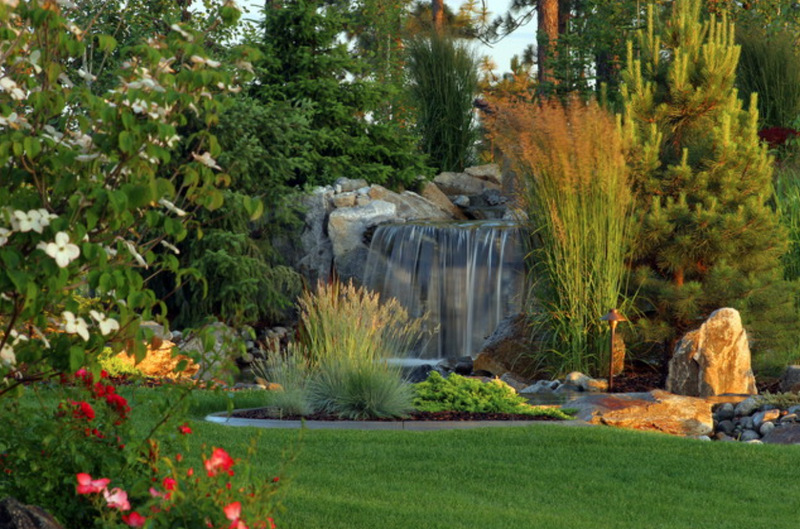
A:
(613, 318)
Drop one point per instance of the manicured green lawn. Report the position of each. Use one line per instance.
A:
(544, 476)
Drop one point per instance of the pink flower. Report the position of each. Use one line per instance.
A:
(184, 429)
(86, 485)
(232, 512)
(219, 460)
(134, 519)
(117, 499)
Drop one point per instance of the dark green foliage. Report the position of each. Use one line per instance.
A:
(457, 393)
(444, 83)
(709, 238)
(770, 67)
(305, 64)
(244, 281)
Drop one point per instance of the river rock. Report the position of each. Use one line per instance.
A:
(765, 416)
(509, 346)
(747, 407)
(486, 363)
(788, 434)
(713, 359)
(655, 411)
(15, 515)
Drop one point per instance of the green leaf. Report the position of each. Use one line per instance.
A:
(32, 146)
(77, 357)
(138, 195)
(254, 207)
(126, 143)
(106, 43)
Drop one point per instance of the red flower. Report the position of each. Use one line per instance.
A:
(169, 483)
(86, 485)
(83, 410)
(276, 479)
(134, 519)
(184, 429)
(119, 403)
(219, 460)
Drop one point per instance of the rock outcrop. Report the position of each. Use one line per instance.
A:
(657, 410)
(714, 359)
(15, 515)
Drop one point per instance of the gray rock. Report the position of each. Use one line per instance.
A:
(176, 336)
(746, 423)
(727, 427)
(157, 329)
(461, 201)
(454, 184)
(219, 360)
(346, 226)
(490, 172)
(793, 409)
(724, 412)
(346, 185)
(714, 359)
(719, 436)
(344, 200)
(703, 438)
(15, 515)
(790, 380)
(514, 381)
(789, 418)
(747, 406)
(434, 195)
(463, 366)
(784, 434)
(764, 416)
(316, 250)
(749, 435)
(766, 428)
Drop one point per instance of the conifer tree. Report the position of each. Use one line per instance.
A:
(709, 237)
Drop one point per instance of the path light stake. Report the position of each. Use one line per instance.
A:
(613, 318)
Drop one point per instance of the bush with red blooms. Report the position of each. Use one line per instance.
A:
(50, 453)
(777, 136)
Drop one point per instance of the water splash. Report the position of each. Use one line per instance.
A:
(465, 277)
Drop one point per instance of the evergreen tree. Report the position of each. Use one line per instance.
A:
(709, 238)
(306, 63)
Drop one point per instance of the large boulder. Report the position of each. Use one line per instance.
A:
(713, 359)
(410, 206)
(489, 172)
(509, 347)
(455, 184)
(657, 410)
(15, 515)
(434, 195)
(790, 380)
(161, 361)
(316, 248)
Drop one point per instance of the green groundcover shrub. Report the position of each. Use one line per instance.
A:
(457, 393)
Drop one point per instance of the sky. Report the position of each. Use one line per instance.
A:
(500, 53)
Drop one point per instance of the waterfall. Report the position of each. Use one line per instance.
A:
(463, 277)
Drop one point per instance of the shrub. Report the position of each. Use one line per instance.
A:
(444, 83)
(578, 202)
(341, 363)
(457, 393)
(292, 372)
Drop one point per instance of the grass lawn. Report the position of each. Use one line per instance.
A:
(544, 476)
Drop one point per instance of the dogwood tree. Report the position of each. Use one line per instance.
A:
(91, 183)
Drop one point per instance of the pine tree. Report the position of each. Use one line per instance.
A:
(709, 237)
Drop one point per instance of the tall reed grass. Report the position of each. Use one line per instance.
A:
(443, 75)
(769, 65)
(341, 362)
(579, 206)
(787, 200)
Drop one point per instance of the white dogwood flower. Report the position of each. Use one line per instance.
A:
(172, 207)
(75, 325)
(4, 235)
(206, 160)
(7, 356)
(107, 325)
(63, 251)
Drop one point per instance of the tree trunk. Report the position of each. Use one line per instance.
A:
(547, 36)
(437, 7)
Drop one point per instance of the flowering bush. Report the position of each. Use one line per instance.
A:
(48, 458)
(96, 189)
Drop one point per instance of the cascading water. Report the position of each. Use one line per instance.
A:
(463, 277)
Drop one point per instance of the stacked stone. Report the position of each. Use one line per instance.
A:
(753, 420)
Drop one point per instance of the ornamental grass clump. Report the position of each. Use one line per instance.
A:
(576, 193)
(347, 337)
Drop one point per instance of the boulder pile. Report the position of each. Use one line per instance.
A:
(756, 420)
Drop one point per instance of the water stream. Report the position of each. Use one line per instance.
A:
(463, 277)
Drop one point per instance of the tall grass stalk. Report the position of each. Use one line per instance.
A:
(770, 66)
(443, 77)
(787, 199)
(579, 207)
(348, 335)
